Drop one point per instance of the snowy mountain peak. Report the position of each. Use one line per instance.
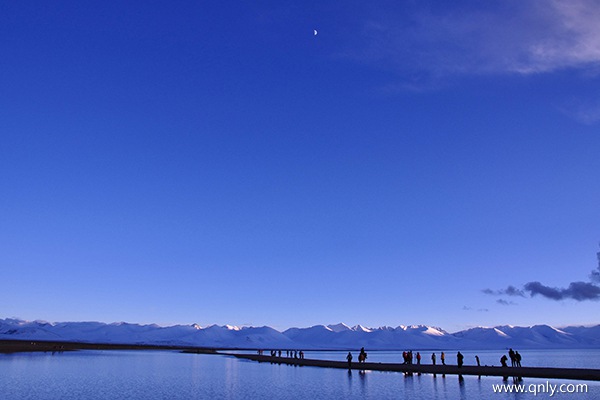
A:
(341, 327)
(385, 328)
(232, 327)
(360, 328)
(434, 331)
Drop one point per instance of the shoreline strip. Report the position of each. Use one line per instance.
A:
(523, 372)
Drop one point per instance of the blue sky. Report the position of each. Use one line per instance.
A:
(414, 162)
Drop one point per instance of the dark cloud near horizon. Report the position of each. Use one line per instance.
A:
(579, 291)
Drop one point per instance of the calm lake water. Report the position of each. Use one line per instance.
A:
(172, 375)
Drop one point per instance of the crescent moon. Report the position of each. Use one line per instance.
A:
(315, 32)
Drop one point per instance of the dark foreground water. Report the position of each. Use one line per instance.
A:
(172, 375)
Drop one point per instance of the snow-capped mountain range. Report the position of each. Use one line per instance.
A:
(339, 336)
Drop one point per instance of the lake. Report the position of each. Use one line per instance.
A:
(172, 375)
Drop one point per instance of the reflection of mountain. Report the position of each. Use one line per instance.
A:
(338, 336)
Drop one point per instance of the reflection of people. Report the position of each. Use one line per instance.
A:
(349, 358)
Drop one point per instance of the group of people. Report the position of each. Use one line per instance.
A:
(407, 357)
(362, 357)
(298, 354)
(515, 359)
(442, 358)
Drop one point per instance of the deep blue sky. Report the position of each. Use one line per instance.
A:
(216, 162)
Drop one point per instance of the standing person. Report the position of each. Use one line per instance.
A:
(349, 358)
(443, 357)
(477, 359)
(511, 355)
(517, 359)
(433, 358)
(459, 359)
(418, 358)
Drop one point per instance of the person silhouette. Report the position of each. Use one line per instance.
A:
(433, 358)
(349, 358)
(511, 355)
(459, 359)
(362, 356)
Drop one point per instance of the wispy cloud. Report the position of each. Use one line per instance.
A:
(586, 112)
(515, 36)
(506, 302)
(510, 291)
(465, 308)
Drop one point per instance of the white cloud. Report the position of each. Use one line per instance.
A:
(522, 37)
(573, 38)
(586, 113)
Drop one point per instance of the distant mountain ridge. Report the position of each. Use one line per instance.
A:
(338, 336)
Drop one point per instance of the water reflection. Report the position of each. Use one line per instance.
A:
(461, 386)
(160, 375)
(363, 382)
(349, 380)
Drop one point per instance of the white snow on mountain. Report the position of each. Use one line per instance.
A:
(339, 327)
(339, 336)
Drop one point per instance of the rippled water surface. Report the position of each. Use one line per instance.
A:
(172, 375)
